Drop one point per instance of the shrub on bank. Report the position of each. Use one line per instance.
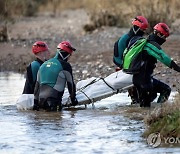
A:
(164, 120)
(119, 13)
(13, 8)
(102, 12)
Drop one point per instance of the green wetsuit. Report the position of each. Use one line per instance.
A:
(51, 81)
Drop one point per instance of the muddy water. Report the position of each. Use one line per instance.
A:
(102, 129)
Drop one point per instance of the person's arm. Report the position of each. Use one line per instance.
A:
(31, 77)
(28, 87)
(160, 55)
(36, 93)
(70, 84)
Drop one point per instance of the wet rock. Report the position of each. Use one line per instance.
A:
(84, 72)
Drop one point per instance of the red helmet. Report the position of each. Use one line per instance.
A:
(39, 46)
(141, 22)
(66, 46)
(162, 28)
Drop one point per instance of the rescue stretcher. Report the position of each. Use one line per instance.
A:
(87, 91)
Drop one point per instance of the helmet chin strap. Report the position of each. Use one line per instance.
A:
(135, 31)
(64, 58)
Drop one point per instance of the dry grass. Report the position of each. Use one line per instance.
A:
(119, 13)
(165, 119)
(121, 8)
(102, 12)
(135, 112)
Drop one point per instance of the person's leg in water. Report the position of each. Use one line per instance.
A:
(133, 93)
(144, 84)
(149, 92)
(146, 96)
(149, 98)
(51, 104)
(145, 91)
(163, 89)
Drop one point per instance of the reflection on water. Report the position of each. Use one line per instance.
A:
(11, 87)
(80, 130)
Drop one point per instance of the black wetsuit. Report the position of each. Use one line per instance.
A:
(119, 48)
(147, 85)
(31, 76)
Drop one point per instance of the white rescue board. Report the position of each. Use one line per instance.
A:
(87, 91)
(95, 89)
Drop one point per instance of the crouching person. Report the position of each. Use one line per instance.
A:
(52, 78)
(140, 60)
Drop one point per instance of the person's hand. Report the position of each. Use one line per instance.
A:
(75, 102)
(118, 69)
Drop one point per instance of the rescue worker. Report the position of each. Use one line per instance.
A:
(144, 62)
(139, 26)
(52, 78)
(41, 51)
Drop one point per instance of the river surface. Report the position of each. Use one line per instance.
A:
(102, 129)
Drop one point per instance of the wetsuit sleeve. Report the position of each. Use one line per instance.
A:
(37, 87)
(67, 70)
(159, 54)
(174, 66)
(31, 77)
(29, 84)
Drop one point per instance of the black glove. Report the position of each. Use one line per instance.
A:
(174, 66)
(75, 102)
